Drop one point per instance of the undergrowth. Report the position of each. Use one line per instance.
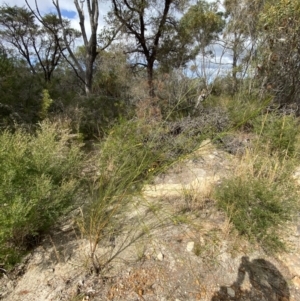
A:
(39, 177)
(40, 174)
(132, 154)
(261, 196)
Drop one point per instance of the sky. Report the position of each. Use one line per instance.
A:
(68, 9)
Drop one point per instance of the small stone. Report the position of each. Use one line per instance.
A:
(80, 282)
(160, 256)
(230, 292)
(296, 281)
(10, 285)
(190, 246)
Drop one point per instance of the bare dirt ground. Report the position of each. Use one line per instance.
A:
(174, 245)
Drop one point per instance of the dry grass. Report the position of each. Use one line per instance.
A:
(260, 196)
(197, 194)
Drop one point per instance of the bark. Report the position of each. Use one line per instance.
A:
(147, 46)
(150, 80)
(234, 62)
(90, 44)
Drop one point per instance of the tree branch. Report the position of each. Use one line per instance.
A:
(74, 59)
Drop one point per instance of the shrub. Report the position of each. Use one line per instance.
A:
(131, 154)
(279, 132)
(38, 181)
(97, 113)
(127, 157)
(259, 198)
(242, 109)
(186, 134)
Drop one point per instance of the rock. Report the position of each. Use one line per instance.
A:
(190, 246)
(10, 285)
(160, 256)
(296, 281)
(230, 292)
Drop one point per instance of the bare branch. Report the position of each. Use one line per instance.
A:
(81, 22)
(74, 59)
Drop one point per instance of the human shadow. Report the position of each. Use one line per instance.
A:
(267, 283)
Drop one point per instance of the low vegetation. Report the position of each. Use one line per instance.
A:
(134, 110)
(262, 195)
(39, 180)
(42, 174)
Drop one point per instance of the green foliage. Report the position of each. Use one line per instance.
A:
(128, 153)
(38, 181)
(20, 92)
(98, 113)
(46, 103)
(125, 161)
(279, 132)
(261, 195)
(36, 39)
(202, 22)
(16, 18)
(260, 198)
(279, 53)
(131, 154)
(256, 208)
(244, 108)
(6, 63)
(177, 95)
(198, 27)
(281, 13)
(112, 76)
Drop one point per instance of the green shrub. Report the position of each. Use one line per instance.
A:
(279, 132)
(260, 198)
(243, 109)
(127, 157)
(131, 154)
(38, 181)
(97, 113)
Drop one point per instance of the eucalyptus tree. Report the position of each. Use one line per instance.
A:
(202, 24)
(146, 23)
(165, 34)
(37, 42)
(48, 44)
(279, 54)
(241, 35)
(267, 34)
(90, 45)
(17, 27)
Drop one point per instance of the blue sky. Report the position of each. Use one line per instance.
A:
(67, 7)
(70, 14)
(68, 10)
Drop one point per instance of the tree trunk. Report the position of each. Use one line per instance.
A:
(234, 62)
(89, 74)
(150, 80)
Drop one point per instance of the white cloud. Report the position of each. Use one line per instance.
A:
(46, 6)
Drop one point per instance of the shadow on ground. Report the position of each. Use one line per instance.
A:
(266, 283)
